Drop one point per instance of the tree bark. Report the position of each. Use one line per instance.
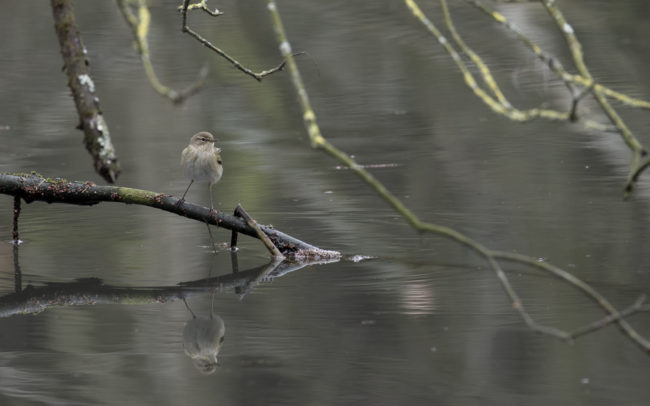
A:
(91, 121)
(34, 187)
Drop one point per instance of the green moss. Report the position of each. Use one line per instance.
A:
(57, 181)
(138, 196)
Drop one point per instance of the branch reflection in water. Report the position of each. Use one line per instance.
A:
(202, 336)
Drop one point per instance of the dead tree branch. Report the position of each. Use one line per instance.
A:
(33, 187)
(96, 135)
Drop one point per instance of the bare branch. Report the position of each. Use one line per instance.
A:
(96, 135)
(185, 28)
(240, 212)
(140, 28)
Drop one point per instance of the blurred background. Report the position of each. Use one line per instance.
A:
(425, 320)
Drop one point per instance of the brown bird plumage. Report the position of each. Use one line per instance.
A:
(202, 162)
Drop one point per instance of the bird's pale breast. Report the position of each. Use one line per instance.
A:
(202, 164)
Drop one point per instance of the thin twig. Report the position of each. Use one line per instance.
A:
(553, 63)
(484, 69)
(638, 150)
(636, 307)
(240, 212)
(140, 28)
(499, 107)
(585, 288)
(638, 163)
(203, 5)
(576, 96)
(185, 28)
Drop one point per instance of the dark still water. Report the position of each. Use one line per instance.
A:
(419, 320)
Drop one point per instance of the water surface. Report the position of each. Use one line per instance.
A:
(424, 322)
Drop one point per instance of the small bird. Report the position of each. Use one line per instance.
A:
(202, 162)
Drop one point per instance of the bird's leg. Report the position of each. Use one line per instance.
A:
(211, 204)
(214, 246)
(180, 202)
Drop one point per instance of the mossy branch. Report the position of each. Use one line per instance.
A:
(490, 256)
(495, 99)
(638, 150)
(554, 64)
(34, 187)
(96, 135)
(500, 104)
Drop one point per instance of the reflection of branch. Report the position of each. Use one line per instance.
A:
(91, 121)
(184, 9)
(248, 280)
(92, 291)
(31, 187)
(490, 256)
(140, 28)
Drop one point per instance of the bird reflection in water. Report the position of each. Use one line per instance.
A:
(202, 339)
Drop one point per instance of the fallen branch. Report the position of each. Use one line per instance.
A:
(34, 187)
(96, 135)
